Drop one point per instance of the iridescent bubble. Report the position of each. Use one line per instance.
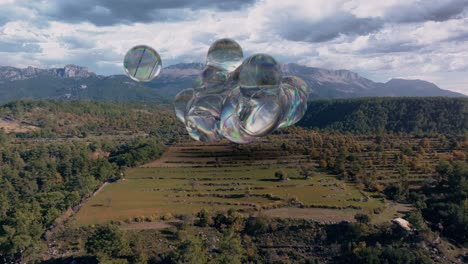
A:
(240, 101)
(142, 63)
(229, 125)
(211, 80)
(294, 94)
(180, 103)
(202, 117)
(260, 113)
(259, 70)
(225, 54)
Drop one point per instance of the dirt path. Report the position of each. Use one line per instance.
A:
(96, 192)
(60, 221)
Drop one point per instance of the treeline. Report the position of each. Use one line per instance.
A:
(40, 181)
(80, 119)
(445, 204)
(232, 237)
(373, 115)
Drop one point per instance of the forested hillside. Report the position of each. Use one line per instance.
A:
(371, 115)
(65, 151)
(77, 146)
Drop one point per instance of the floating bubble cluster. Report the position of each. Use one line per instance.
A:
(142, 63)
(238, 99)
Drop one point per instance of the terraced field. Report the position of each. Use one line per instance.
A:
(224, 154)
(153, 192)
(218, 177)
(191, 176)
(419, 155)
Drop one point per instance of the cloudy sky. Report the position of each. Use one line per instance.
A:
(413, 39)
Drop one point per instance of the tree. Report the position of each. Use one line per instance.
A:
(443, 169)
(415, 218)
(362, 218)
(203, 218)
(230, 248)
(307, 171)
(393, 192)
(189, 251)
(281, 175)
(107, 240)
(193, 183)
(257, 225)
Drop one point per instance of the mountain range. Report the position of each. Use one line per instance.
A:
(78, 83)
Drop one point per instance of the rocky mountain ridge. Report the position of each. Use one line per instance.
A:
(74, 82)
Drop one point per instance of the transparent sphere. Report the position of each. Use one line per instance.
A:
(202, 117)
(142, 63)
(210, 80)
(240, 100)
(229, 125)
(225, 54)
(181, 101)
(260, 113)
(259, 70)
(294, 94)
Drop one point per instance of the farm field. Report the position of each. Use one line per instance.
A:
(191, 176)
(155, 192)
(188, 178)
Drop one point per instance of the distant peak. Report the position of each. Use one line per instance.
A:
(68, 71)
(73, 66)
(401, 80)
(75, 71)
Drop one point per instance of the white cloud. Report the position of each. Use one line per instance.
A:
(424, 47)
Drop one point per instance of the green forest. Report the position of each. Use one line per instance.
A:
(374, 115)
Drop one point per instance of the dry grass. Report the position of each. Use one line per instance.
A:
(317, 214)
(11, 126)
(153, 192)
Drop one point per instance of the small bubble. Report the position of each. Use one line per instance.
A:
(294, 94)
(260, 113)
(180, 103)
(211, 80)
(225, 54)
(230, 126)
(142, 63)
(259, 70)
(202, 117)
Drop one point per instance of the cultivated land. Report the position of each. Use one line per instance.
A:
(218, 177)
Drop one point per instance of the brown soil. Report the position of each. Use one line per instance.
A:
(10, 125)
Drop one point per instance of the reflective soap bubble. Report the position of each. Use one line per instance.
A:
(294, 94)
(180, 103)
(211, 80)
(260, 113)
(240, 101)
(225, 54)
(202, 117)
(229, 125)
(259, 70)
(142, 63)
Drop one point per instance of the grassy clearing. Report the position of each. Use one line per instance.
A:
(154, 192)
